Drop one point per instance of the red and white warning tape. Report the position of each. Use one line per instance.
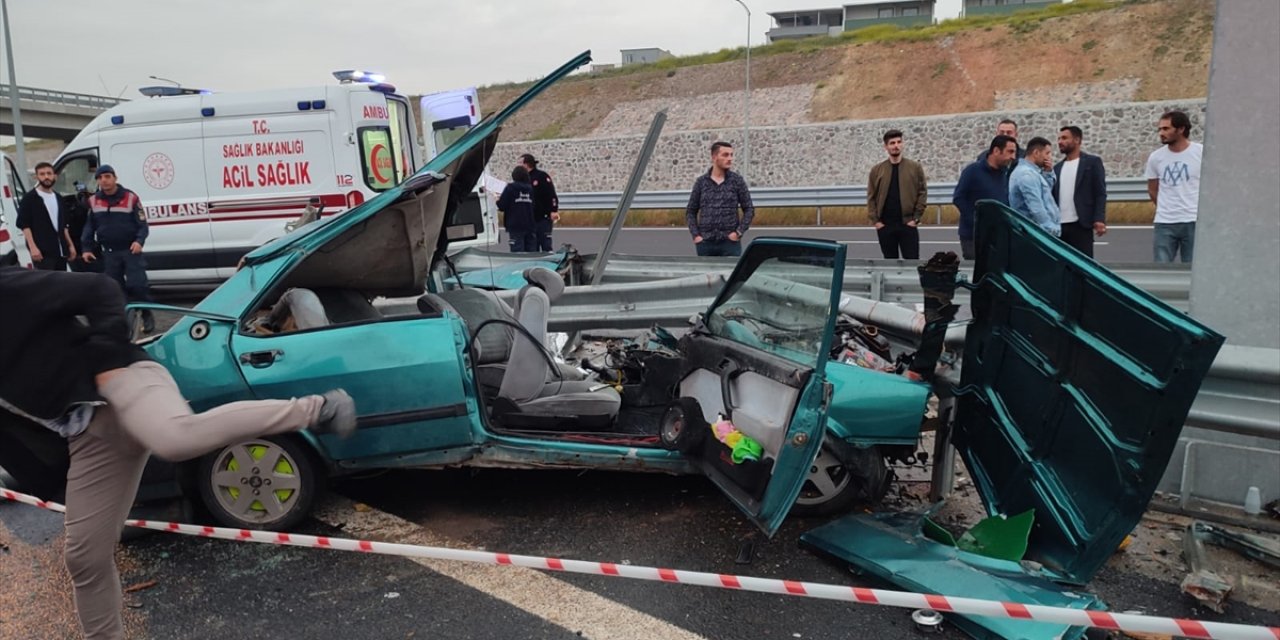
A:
(946, 604)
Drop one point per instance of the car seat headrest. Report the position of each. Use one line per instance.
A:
(545, 279)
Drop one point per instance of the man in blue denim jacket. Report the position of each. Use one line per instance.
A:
(1031, 187)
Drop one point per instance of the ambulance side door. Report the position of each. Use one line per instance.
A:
(266, 160)
(163, 163)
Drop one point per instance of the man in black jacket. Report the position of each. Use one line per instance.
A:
(88, 383)
(43, 220)
(1081, 192)
(546, 205)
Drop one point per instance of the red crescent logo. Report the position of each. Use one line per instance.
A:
(373, 163)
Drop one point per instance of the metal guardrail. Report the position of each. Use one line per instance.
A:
(1240, 395)
(69, 98)
(1118, 190)
(880, 280)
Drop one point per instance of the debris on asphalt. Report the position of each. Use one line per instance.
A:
(1146, 636)
(141, 586)
(1260, 548)
(927, 620)
(1203, 583)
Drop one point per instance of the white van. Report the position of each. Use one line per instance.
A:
(13, 246)
(220, 174)
(446, 116)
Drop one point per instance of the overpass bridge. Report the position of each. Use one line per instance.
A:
(52, 114)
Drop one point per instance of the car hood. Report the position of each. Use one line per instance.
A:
(388, 245)
(1073, 392)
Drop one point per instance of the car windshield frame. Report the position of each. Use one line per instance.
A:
(784, 293)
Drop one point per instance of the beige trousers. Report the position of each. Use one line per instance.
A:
(145, 413)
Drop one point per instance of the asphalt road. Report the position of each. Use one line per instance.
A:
(1121, 244)
(197, 588)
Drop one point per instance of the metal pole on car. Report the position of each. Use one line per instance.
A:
(746, 100)
(21, 154)
(624, 205)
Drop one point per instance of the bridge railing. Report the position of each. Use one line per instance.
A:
(85, 100)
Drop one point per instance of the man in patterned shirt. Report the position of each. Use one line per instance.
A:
(712, 214)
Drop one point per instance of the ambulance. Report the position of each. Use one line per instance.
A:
(13, 246)
(220, 174)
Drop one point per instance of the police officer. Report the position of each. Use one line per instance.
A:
(117, 227)
(546, 206)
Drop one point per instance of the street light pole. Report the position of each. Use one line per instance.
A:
(173, 82)
(21, 155)
(746, 100)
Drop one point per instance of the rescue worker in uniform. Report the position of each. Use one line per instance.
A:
(117, 229)
(546, 206)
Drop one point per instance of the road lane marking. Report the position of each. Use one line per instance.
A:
(536, 592)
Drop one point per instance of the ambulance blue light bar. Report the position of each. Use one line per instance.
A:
(166, 91)
(356, 75)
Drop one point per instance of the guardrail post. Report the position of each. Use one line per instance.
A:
(819, 215)
(939, 220)
(877, 286)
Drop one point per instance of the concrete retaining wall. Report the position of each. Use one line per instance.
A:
(844, 152)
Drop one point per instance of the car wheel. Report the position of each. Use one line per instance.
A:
(269, 483)
(682, 427)
(840, 477)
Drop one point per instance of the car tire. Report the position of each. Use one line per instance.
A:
(682, 428)
(269, 483)
(840, 477)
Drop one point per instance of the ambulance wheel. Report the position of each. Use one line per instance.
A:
(682, 427)
(840, 477)
(270, 483)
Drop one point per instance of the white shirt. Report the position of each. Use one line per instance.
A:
(1178, 196)
(51, 204)
(1067, 191)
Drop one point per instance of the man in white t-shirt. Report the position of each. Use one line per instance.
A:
(43, 221)
(1173, 182)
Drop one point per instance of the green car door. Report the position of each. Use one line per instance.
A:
(758, 361)
(405, 375)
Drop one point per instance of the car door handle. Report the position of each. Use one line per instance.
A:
(728, 371)
(261, 359)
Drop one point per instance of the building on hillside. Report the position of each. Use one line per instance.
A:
(644, 56)
(849, 17)
(598, 68)
(907, 13)
(803, 24)
(988, 7)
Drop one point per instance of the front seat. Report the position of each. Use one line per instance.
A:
(534, 394)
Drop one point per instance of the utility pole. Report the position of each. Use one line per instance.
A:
(746, 100)
(21, 155)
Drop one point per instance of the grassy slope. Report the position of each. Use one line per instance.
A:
(882, 71)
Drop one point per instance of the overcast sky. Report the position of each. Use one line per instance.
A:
(111, 47)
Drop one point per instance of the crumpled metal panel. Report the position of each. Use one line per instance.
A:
(1074, 390)
(890, 547)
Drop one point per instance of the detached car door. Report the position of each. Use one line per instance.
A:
(758, 361)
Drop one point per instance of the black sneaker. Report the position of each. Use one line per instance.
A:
(337, 415)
